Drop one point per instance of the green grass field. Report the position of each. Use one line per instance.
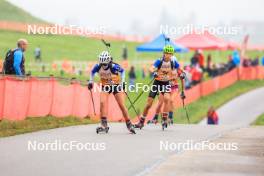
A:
(259, 120)
(55, 47)
(76, 48)
(8, 128)
(198, 109)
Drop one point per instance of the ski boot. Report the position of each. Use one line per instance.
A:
(130, 127)
(170, 121)
(140, 124)
(164, 124)
(104, 127)
(154, 120)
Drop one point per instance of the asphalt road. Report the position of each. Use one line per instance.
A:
(243, 109)
(117, 153)
(246, 160)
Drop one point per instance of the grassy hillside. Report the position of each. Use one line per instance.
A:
(9, 12)
(56, 47)
(61, 47)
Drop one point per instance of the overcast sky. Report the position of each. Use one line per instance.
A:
(127, 15)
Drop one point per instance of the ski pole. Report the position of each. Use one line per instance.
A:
(186, 112)
(132, 103)
(92, 101)
(183, 104)
(167, 40)
(107, 44)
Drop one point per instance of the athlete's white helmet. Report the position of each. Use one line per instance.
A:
(105, 57)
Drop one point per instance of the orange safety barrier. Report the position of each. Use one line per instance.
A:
(193, 94)
(260, 72)
(82, 104)
(249, 73)
(34, 97)
(40, 99)
(16, 99)
(2, 96)
(228, 79)
(210, 86)
(62, 102)
(114, 112)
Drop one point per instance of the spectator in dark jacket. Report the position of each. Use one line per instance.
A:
(124, 53)
(195, 58)
(37, 54)
(209, 65)
(132, 76)
(255, 62)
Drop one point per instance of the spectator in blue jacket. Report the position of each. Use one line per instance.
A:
(236, 58)
(19, 57)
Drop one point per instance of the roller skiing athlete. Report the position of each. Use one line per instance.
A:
(176, 75)
(162, 72)
(112, 80)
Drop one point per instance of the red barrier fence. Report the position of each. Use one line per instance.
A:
(34, 97)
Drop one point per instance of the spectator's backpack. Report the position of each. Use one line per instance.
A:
(8, 67)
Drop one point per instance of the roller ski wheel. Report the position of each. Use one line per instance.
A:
(130, 127)
(140, 124)
(170, 122)
(164, 125)
(131, 130)
(152, 122)
(102, 129)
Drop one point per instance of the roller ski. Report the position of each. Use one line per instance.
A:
(130, 127)
(164, 124)
(154, 120)
(103, 128)
(170, 122)
(140, 124)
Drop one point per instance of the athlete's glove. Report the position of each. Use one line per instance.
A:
(155, 74)
(90, 85)
(182, 75)
(182, 95)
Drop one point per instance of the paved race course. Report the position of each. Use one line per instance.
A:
(247, 160)
(243, 109)
(124, 154)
